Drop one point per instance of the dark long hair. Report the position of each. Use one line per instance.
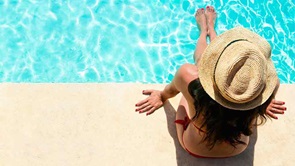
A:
(223, 124)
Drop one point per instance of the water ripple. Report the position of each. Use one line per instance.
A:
(127, 41)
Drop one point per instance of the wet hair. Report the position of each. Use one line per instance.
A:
(224, 124)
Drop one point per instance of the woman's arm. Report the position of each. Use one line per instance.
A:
(156, 98)
(169, 91)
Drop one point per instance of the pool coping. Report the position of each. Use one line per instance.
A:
(75, 124)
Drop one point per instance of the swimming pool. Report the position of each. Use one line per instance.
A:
(126, 40)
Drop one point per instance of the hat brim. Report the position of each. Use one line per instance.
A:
(211, 55)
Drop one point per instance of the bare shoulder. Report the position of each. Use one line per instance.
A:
(184, 75)
(188, 72)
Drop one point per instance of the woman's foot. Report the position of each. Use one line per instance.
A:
(211, 17)
(201, 20)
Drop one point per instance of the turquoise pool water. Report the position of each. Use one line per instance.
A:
(127, 40)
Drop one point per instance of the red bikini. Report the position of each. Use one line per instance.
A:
(185, 123)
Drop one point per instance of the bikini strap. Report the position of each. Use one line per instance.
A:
(184, 122)
(198, 128)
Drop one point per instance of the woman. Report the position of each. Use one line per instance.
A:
(231, 85)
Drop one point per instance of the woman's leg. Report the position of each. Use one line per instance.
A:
(211, 17)
(201, 43)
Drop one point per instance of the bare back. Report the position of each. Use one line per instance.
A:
(191, 138)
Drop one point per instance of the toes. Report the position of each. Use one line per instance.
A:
(198, 11)
(213, 10)
(210, 8)
(202, 10)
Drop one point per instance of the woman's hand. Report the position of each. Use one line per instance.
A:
(275, 107)
(151, 103)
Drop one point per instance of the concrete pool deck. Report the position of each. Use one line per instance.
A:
(96, 124)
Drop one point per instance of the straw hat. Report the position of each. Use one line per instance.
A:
(236, 69)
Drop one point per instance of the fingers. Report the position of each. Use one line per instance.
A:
(276, 107)
(147, 92)
(141, 102)
(152, 110)
(280, 107)
(151, 103)
(277, 102)
(276, 111)
(142, 107)
(147, 108)
(271, 114)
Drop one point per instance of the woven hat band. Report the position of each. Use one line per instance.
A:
(239, 73)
